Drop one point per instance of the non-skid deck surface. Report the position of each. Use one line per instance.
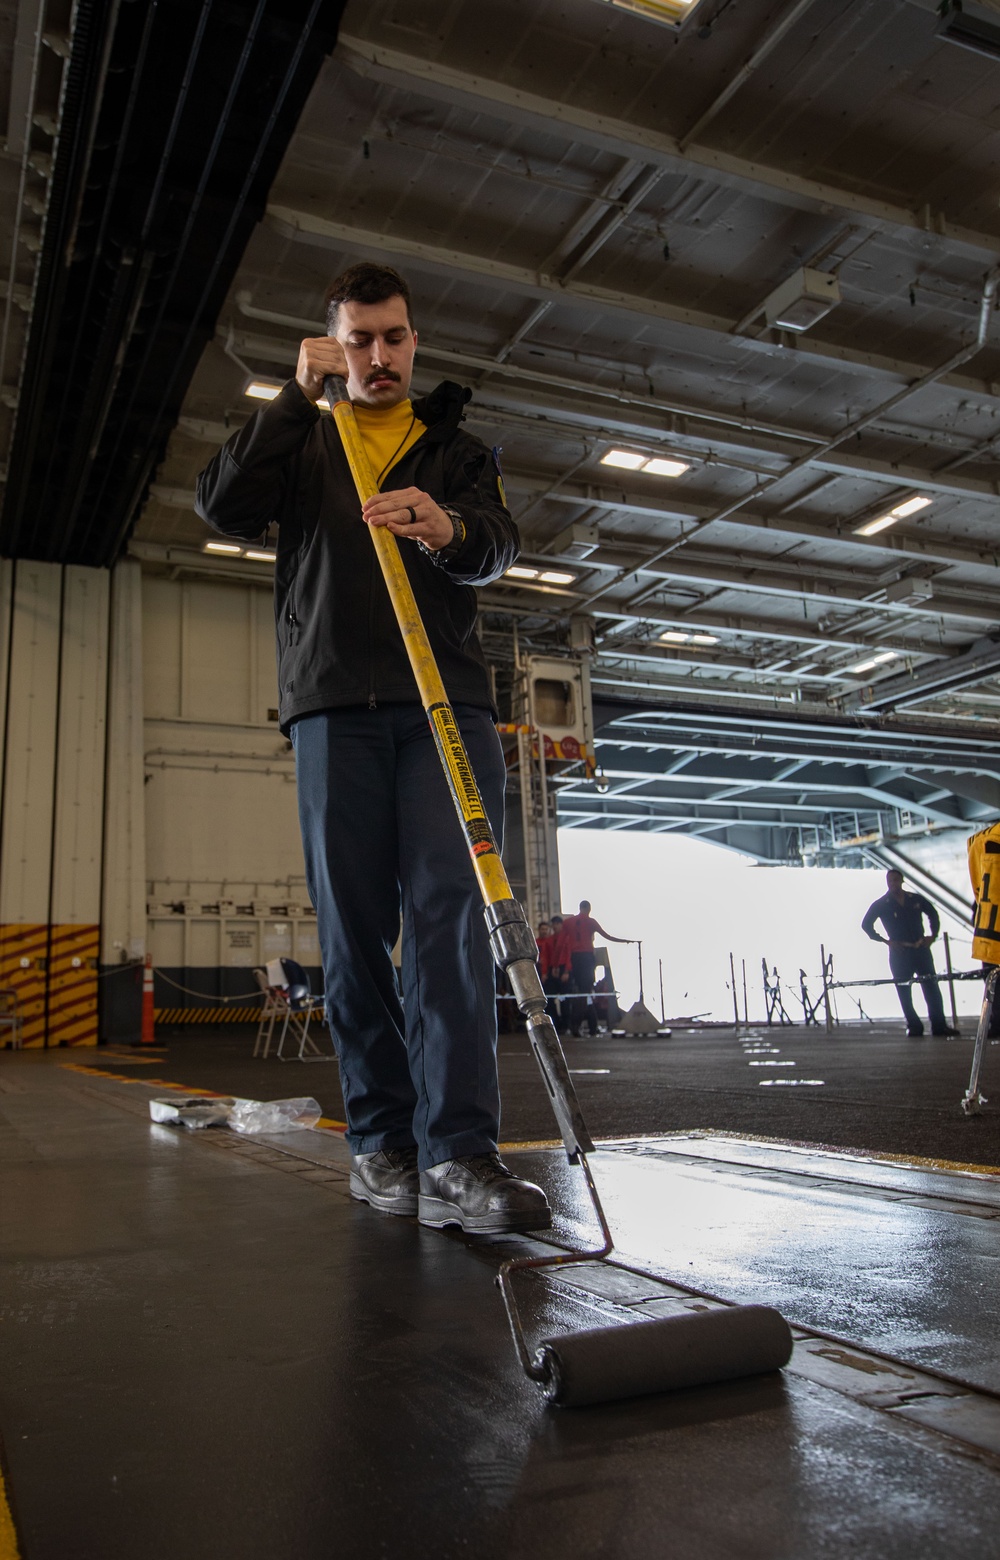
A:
(206, 1349)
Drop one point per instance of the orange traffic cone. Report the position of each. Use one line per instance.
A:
(148, 1017)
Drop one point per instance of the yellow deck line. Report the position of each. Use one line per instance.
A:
(8, 1536)
(326, 1123)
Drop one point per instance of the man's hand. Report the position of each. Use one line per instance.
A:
(318, 357)
(409, 512)
(925, 942)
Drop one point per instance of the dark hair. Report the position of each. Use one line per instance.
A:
(365, 282)
(585, 904)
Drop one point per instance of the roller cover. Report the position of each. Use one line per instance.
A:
(689, 1350)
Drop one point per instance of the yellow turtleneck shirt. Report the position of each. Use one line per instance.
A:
(388, 434)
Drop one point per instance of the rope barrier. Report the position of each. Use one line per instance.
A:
(833, 985)
(208, 996)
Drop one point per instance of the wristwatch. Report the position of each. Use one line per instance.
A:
(450, 549)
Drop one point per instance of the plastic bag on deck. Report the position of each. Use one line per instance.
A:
(253, 1116)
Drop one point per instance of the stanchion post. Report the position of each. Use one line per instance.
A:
(826, 990)
(148, 1032)
(663, 1011)
(736, 1000)
(951, 981)
(746, 1015)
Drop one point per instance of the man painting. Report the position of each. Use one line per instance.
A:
(379, 830)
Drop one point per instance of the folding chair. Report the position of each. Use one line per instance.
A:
(273, 1009)
(299, 1007)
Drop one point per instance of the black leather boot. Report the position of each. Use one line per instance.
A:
(388, 1180)
(482, 1195)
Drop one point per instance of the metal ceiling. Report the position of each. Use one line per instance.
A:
(592, 208)
(141, 143)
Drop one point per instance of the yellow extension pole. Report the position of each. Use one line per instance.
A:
(486, 861)
(511, 939)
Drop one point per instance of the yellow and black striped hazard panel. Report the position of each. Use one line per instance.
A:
(52, 971)
(207, 1015)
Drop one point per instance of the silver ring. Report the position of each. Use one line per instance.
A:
(412, 514)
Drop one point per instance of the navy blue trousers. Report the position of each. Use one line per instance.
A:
(907, 964)
(381, 836)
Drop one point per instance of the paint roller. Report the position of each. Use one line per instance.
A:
(693, 1348)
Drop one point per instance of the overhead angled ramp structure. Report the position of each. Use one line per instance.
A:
(782, 787)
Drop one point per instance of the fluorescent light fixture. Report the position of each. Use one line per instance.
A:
(223, 547)
(672, 637)
(261, 390)
(910, 507)
(517, 572)
(704, 639)
(670, 12)
(874, 660)
(666, 468)
(260, 557)
(871, 527)
(628, 460)
(556, 577)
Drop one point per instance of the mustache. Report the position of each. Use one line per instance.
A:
(382, 373)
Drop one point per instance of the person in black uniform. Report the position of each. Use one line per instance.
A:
(379, 830)
(910, 958)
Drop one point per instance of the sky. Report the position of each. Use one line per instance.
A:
(692, 903)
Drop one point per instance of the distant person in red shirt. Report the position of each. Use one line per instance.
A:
(543, 940)
(551, 955)
(578, 938)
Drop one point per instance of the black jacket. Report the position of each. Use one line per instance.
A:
(338, 640)
(901, 922)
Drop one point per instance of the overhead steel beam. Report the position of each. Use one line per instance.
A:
(480, 93)
(604, 807)
(806, 810)
(838, 793)
(309, 228)
(916, 745)
(688, 431)
(498, 598)
(819, 585)
(772, 773)
(628, 499)
(823, 587)
(664, 421)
